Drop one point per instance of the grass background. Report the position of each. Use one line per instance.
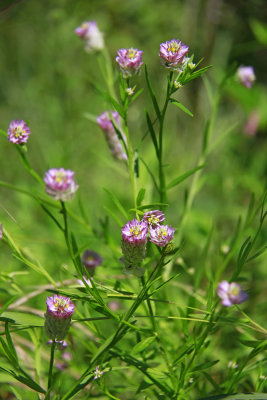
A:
(46, 79)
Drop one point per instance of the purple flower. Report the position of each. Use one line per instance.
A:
(161, 235)
(134, 239)
(18, 131)
(98, 373)
(92, 36)
(130, 61)
(172, 53)
(91, 259)
(60, 306)
(246, 76)
(60, 184)
(154, 218)
(58, 316)
(115, 146)
(231, 293)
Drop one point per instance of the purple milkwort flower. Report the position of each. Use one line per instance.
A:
(172, 53)
(98, 373)
(161, 235)
(58, 316)
(60, 183)
(134, 239)
(18, 131)
(231, 293)
(154, 218)
(130, 61)
(115, 146)
(246, 76)
(90, 260)
(92, 36)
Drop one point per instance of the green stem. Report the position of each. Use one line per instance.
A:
(162, 183)
(50, 372)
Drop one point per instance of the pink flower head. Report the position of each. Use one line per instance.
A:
(92, 36)
(231, 293)
(60, 183)
(60, 307)
(154, 218)
(135, 232)
(130, 61)
(161, 235)
(18, 131)
(105, 123)
(91, 259)
(172, 53)
(115, 146)
(246, 76)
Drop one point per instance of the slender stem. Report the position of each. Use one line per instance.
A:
(50, 372)
(263, 330)
(162, 184)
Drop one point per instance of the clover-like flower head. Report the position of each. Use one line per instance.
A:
(154, 218)
(60, 183)
(161, 235)
(18, 131)
(135, 232)
(129, 61)
(60, 307)
(172, 53)
(92, 36)
(231, 293)
(246, 76)
(91, 259)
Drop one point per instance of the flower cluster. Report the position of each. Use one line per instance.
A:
(172, 53)
(231, 293)
(91, 35)
(18, 131)
(129, 61)
(58, 316)
(105, 123)
(246, 76)
(60, 184)
(135, 235)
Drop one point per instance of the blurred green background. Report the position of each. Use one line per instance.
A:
(45, 79)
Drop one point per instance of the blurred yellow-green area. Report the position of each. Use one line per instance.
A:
(46, 79)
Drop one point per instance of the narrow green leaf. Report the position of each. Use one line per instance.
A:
(204, 365)
(114, 216)
(76, 251)
(11, 345)
(181, 106)
(181, 178)
(141, 346)
(152, 134)
(140, 196)
(152, 94)
(117, 203)
(152, 205)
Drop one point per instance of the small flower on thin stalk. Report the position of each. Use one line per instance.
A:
(161, 235)
(91, 35)
(91, 260)
(58, 316)
(231, 293)
(18, 132)
(97, 373)
(129, 61)
(60, 184)
(172, 53)
(115, 146)
(246, 76)
(134, 239)
(154, 218)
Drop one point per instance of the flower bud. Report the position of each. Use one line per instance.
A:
(90, 260)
